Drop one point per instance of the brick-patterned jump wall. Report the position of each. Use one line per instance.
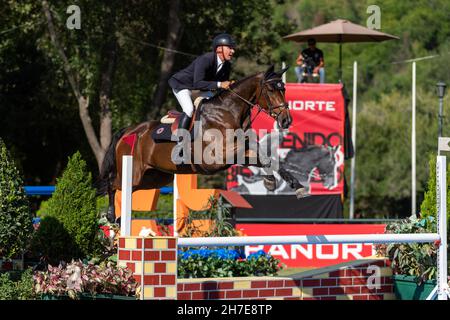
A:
(346, 281)
(154, 265)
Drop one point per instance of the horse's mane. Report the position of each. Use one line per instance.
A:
(240, 81)
(221, 92)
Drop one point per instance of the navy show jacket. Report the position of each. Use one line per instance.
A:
(201, 74)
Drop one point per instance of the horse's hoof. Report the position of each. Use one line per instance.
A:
(301, 193)
(110, 216)
(270, 185)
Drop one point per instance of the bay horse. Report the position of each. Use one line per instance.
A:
(153, 166)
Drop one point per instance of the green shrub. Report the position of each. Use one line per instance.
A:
(17, 290)
(52, 241)
(15, 216)
(428, 206)
(74, 205)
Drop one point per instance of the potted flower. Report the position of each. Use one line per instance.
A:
(413, 264)
(85, 281)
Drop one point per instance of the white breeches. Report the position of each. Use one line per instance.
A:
(185, 101)
(184, 98)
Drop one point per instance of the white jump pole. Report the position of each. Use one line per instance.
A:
(353, 162)
(441, 199)
(413, 143)
(127, 184)
(175, 205)
(283, 77)
(310, 239)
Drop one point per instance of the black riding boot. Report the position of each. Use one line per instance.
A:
(183, 124)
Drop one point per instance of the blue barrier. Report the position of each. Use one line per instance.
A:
(166, 190)
(39, 190)
(48, 190)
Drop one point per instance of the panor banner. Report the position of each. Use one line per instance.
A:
(311, 151)
(312, 255)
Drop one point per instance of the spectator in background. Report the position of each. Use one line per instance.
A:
(314, 55)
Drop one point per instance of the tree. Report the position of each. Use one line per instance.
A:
(15, 217)
(108, 59)
(74, 206)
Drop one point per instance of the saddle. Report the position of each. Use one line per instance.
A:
(169, 123)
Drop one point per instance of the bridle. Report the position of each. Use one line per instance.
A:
(271, 112)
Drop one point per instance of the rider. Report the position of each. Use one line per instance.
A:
(207, 72)
(317, 57)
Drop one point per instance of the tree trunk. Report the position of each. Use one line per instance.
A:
(83, 108)
(174, 34)
(106, 87)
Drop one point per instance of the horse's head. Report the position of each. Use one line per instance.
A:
(327, 167)
(271, 97)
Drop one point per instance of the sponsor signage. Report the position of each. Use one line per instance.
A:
(318, 118)
(310, 255)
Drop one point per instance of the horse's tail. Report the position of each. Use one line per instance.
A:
(108, 169)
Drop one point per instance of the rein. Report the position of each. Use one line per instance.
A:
(271, 111)
(252, 105)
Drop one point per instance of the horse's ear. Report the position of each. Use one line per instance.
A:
(280, 73)
(270, 71)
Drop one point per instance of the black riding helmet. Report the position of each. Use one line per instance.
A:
(223, 39)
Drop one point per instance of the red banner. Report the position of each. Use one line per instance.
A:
(318, 114)
(310, 255)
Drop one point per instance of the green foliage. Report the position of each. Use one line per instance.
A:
(412, 259)
(221, 263)
(384, 153)
(71, 217)
(17, 290)
(428, 207)
(261, 265)
(15, 216)
(102, 204)
(164, 209)
(218, 214)
(53, 241)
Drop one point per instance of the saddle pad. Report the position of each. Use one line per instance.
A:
(163, 133)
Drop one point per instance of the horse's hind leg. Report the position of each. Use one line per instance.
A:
(111, 214)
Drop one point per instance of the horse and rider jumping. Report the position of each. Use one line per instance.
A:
(230, 108)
